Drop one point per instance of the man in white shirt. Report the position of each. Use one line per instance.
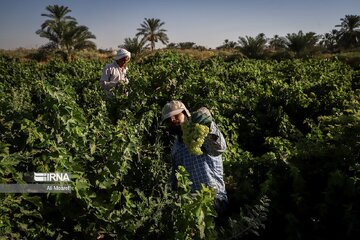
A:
(114, 74)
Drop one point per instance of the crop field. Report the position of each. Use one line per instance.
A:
(292, 166)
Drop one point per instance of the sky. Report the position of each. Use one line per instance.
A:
(205, 22)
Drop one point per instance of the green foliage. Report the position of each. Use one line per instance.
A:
(252, 221)
(194, 212)
(291, 167)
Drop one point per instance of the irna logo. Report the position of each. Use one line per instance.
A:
(51, 177)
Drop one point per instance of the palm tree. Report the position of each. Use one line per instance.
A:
(64, 33)
(151, 31)
(253, 47)
(228, 45)
(77, 38)
(53, 28)
(171, 45)
(134, 46)
(330, 40)
(186, 45)
(57, 15)
(350, 31)
(277, 43)
(301, 43)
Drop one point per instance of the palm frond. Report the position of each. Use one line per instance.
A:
(151, 31)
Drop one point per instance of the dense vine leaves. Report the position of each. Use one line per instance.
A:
(291, 167)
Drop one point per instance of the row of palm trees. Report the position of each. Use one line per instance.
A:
(300, 44)
(66, 37)
(295, 44)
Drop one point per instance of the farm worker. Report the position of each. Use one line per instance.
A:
(114, 74)
(206, 168)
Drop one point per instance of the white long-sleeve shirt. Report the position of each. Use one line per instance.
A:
(112, 76)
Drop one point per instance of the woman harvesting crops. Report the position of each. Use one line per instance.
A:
(198, 147)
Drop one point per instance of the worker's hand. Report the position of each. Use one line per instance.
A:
(202, 116)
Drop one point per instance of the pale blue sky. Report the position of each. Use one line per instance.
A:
(206, 22)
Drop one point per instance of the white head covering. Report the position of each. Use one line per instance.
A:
(173, 108)
(121, 53)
